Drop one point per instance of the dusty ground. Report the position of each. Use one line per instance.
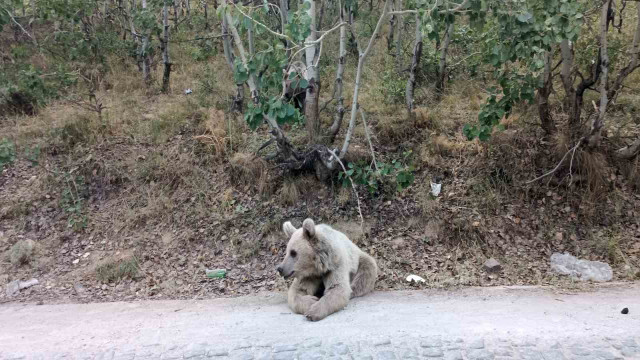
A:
(477, 322)
(171, 232)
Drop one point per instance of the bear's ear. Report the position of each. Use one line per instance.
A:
(309, 228)
(288, 228)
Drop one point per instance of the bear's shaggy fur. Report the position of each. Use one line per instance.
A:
(328, 270)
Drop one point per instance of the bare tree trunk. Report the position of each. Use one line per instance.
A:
(165, 47)
(238, 99)
(284, 16)
(135, 36)
(392, 29)
(399, 35)
(442, 67)
(574, 96)
(544, 112)
(598, 122)
(313, 89)
(415, 63)
(146, 61)
(565, 73)
(176, 16)
(633, 61)
(188, 5)
(342, 59)
(206, 14)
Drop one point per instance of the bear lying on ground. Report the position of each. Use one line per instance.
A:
(328, 270)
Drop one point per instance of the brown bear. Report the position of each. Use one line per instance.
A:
(328, 270)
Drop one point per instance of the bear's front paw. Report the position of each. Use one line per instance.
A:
(314, 313)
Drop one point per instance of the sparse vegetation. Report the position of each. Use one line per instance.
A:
(22, 252)
(115, 270)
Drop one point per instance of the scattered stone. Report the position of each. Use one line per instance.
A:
(382, 342)
(313, 343)
(79, 289)
(492, 265)
(13, 288)
(554, 355)
(340, 349)
(431, 342)
(289, 355)
(217, 352)
(283, 348)
(585, 270)
(242, 345)
(432, 352)
(477, 344)
(625, 311)
(386, 355)
(27, 284)
(480, 354)
(453, 355)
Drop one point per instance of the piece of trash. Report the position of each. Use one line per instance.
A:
(216, 273)
(625, 311)
(435, 189)
(188, 91)
(585, 270)
(415, 278)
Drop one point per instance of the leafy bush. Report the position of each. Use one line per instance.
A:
(7, 153)
(401, 171)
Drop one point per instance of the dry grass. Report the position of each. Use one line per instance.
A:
(22, 252)
(216, 134)
(116, 269)
(289, 194)
(250, 171)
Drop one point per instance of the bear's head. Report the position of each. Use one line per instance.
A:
(302, 257)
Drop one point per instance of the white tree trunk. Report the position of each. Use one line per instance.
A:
(342, 59)
(399, 35)
(238, 100)
(313, 89)
(633, 60)
(598, 122)
(165, 47)
(415, 62)
(284, 16)
(442, 67)
(146, 61)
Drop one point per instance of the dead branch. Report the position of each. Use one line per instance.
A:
(573, 149)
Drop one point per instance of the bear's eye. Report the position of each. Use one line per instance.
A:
(293, 253)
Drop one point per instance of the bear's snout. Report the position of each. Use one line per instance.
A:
(279, 268)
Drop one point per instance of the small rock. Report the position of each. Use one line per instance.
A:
(76, 261)
(397, 243)
(625, 311)
(566, 264)
(79, 289)
(492, 265)
(13, 288)
(27, 284)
